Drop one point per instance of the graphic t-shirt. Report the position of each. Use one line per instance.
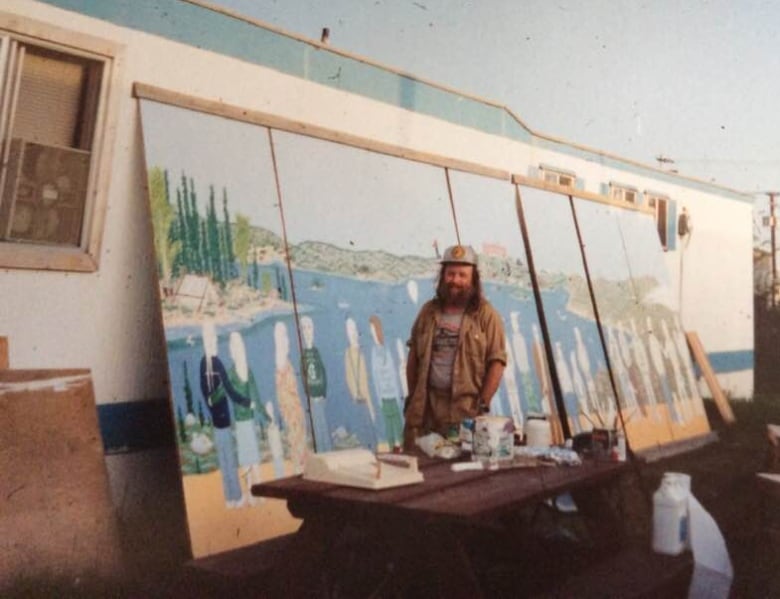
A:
(445, 342)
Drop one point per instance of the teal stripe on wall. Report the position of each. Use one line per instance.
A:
(732, 361)
(135, 425)
(203, 28)
(215, 31)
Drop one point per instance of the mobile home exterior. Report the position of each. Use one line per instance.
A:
(95, 304)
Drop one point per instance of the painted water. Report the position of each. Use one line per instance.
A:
(330, 301)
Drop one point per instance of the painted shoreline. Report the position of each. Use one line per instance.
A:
(188, 330)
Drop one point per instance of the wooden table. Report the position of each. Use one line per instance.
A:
(425, 530)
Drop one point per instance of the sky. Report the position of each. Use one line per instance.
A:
(693, 81)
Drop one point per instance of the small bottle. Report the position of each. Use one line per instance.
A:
(453, 433)
(621, 446)
(467, 435)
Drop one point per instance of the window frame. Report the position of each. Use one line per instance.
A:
(545, 170)
(618, 192)
(85, 256)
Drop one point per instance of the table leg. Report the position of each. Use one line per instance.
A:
(603, 514)
(453, 567)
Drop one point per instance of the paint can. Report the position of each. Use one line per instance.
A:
(621, 450)
(670, 514)
(538, 432)
(493, 439)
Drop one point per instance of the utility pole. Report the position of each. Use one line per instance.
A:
(772, 227)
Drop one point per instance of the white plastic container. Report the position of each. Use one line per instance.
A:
(538, 432)
(682, 479)
(620, 450)
(670, 514)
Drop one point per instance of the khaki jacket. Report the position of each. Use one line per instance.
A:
(481, 340)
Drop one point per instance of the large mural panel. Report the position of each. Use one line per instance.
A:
(656, 334)
(291, 270)
(225, 298)
(288, 288)
(486, 215)
(580, 362)
(365, 232)
(628, 278)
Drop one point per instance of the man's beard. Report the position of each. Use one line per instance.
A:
(457, 296)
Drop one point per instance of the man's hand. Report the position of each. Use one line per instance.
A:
(482, 407)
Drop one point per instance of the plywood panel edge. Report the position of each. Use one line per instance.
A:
(577, 193)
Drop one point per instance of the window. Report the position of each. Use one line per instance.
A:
(53, 102)
(623, 193)
(557, 176)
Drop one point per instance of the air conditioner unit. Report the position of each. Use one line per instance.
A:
(44, 194)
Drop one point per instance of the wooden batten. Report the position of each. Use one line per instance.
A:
(524, 181)
(256, 117)
(4, 361)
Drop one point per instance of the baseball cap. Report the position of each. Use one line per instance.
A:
(460, 254)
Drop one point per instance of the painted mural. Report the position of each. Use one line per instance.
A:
(487, 218)
(580, 362)
(646, 365)
(291, 270)
(227, 312)
(651, 342)
(364, 232)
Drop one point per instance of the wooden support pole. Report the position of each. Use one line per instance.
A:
(700, 356)
(4, 363)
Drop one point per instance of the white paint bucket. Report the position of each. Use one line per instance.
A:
(493, 439)
(670, 514)
(538, 432)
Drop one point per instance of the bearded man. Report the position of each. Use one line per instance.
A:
(457, 352)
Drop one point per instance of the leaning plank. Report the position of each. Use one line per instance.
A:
(700, 356)
(4, 362)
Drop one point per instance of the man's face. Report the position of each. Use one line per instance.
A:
(458, 284)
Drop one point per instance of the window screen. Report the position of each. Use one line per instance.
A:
(51, 111)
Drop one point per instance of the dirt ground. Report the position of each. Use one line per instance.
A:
(722, 479)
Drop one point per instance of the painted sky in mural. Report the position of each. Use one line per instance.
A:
(394, 205)
(487, 219)
(214, 151)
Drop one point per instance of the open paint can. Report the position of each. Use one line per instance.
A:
(493, 439)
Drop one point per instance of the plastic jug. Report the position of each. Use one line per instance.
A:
(670, 514)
